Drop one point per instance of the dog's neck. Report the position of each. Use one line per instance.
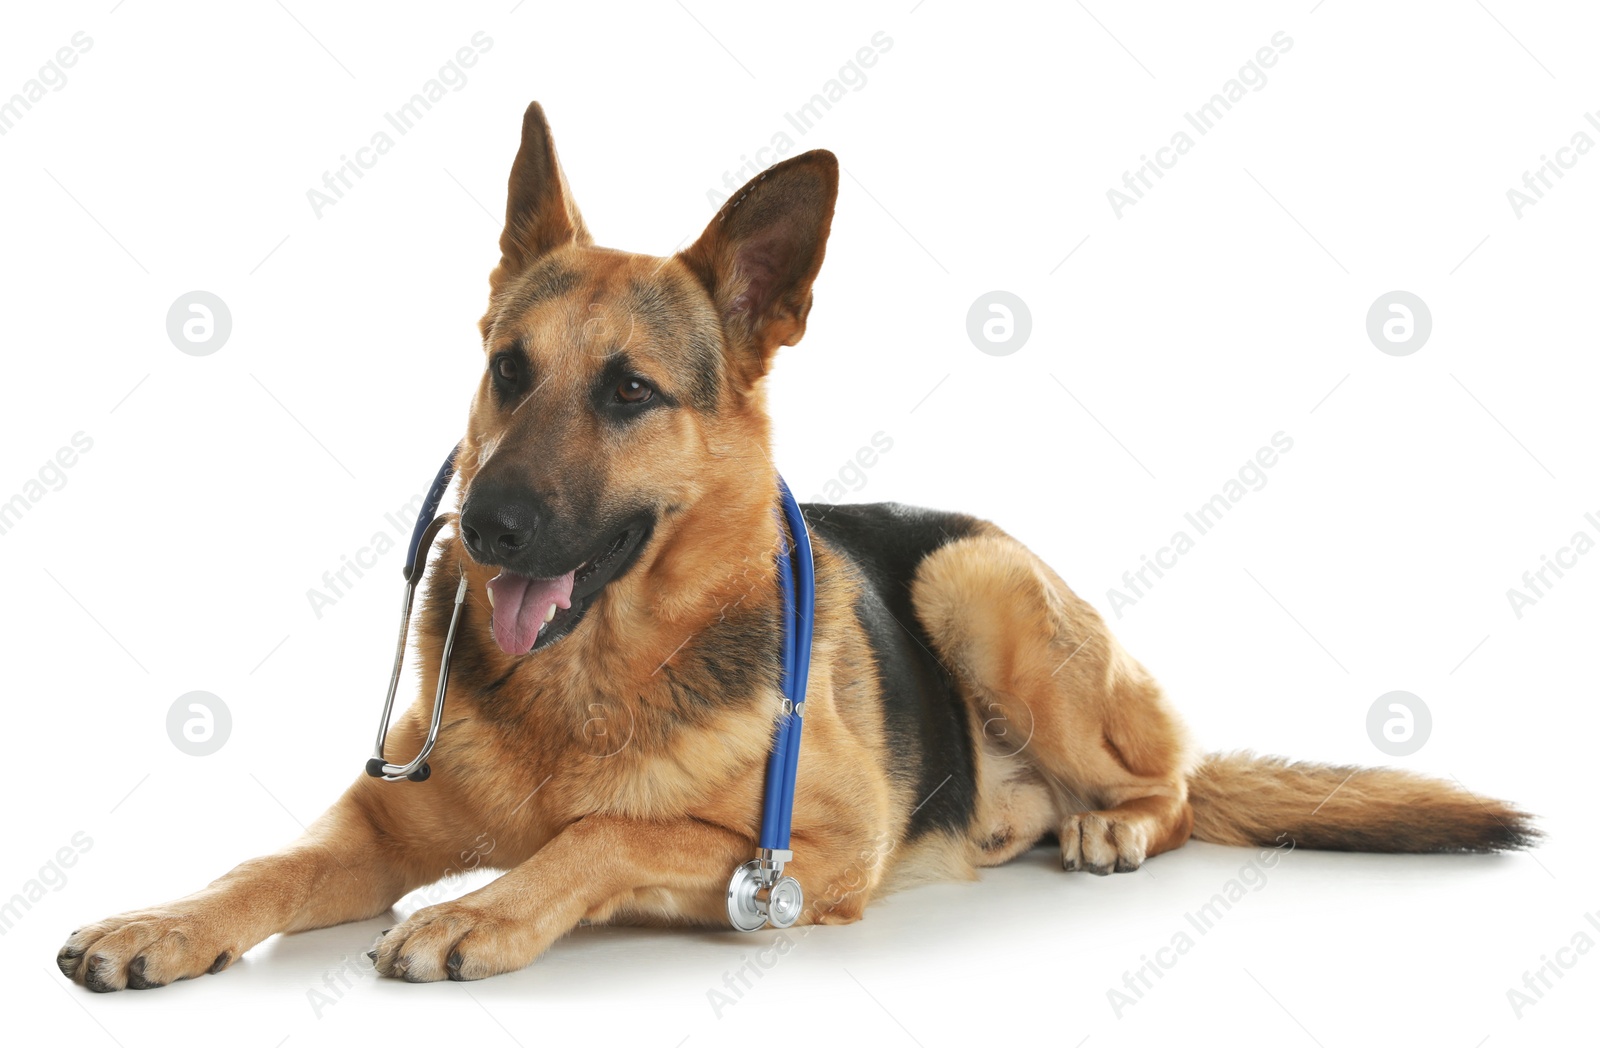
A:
(718, 553)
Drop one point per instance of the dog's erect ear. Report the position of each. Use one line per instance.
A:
(540, 214)
(759, 256)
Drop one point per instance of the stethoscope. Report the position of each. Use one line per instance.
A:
(758, 893)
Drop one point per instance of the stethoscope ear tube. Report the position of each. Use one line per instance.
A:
(804, 617)
(422, 538)
(425, 516)
(773, 837)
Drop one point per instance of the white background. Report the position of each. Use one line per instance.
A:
(1227, 305)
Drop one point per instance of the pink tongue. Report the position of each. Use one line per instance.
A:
(520, 606)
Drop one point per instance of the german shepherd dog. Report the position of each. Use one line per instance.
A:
(615, 684)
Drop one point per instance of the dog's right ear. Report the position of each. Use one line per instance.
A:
(540, 214)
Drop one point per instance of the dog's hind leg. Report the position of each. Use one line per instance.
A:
(348, 866)
(1054, 691)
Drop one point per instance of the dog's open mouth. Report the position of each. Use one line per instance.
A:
(528, 613)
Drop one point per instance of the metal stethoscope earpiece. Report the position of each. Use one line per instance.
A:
(758, 893)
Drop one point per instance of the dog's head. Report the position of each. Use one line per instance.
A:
(620, 404)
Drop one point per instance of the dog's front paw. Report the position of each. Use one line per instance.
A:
(456, 940)
(145, 949)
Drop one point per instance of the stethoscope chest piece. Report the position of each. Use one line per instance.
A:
(758, 896)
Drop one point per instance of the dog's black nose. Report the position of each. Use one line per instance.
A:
(499, 524)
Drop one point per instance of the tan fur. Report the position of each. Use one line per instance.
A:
(1243, 799)
(1100, 735)
(617, 772)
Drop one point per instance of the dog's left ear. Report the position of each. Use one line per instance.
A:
(759, 256)
(540, 213)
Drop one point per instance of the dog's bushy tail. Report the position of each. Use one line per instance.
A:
(1243, 799)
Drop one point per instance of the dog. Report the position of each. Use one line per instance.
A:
(616, 675)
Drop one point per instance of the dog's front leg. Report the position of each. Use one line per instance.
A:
(345, 868)
(593, 868)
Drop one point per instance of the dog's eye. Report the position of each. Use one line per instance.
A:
(634, 391)
(507, 369)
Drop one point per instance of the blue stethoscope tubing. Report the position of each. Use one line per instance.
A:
(759, 893)
(797, 582)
